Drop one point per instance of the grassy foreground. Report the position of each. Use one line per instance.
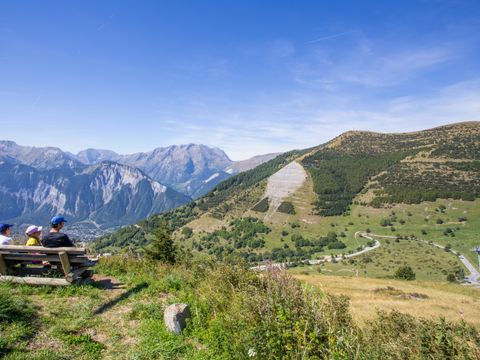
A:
(237, 314)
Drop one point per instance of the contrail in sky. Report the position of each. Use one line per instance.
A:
(330, 37)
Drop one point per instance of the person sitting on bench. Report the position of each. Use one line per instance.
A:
(5, 232)
(34, 233)
(55, 238)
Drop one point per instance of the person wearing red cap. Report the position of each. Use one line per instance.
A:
(5, 233)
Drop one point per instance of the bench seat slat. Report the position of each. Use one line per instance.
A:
(42, 257)
(30, 249)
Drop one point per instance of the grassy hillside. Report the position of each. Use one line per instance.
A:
(236, 314)
(428, 179)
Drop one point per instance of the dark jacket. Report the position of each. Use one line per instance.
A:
(54, 239)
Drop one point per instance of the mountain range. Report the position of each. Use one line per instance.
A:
(99, 190)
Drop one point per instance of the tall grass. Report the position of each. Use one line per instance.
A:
(238, 314)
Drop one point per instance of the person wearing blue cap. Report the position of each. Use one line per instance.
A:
(55, 238)
(5, 232)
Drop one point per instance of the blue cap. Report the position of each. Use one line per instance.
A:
(57, 220)
(4, 227)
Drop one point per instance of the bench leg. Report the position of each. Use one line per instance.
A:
(3, 266)
(65, 262)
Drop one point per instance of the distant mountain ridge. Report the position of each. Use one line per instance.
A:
(191, 169)
(38, 157)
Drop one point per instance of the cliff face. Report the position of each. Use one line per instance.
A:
(100, 197)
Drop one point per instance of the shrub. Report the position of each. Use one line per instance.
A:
(286, 208)
(451, 278)
(439, 221)
(187, 232)
(405, 273)
(337, 245)
(367, 259)
(385, 222)
(262, 206)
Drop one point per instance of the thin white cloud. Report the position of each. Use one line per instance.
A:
(298, 123)
(328, 37)
(359, 60)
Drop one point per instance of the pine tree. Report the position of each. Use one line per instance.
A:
(162, 247)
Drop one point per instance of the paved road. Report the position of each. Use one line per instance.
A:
(473, 278)
(326, 258)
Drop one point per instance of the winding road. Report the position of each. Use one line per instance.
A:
(472, 279)
(326, 258)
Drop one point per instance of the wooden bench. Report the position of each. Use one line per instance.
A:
(38, 265)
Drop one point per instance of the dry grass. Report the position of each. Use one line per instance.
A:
(454, 302)
(205, 223)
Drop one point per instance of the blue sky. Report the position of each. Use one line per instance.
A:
(250, 77)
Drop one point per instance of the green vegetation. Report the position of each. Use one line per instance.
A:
(338, 177)
(17, 322)
(135, 237)
(262, 206)
(187, 232)
(405, 273)
(429, 263)
(404, 183)
(243, 234)
(287, 207)
(236, 314)
(162, 248)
